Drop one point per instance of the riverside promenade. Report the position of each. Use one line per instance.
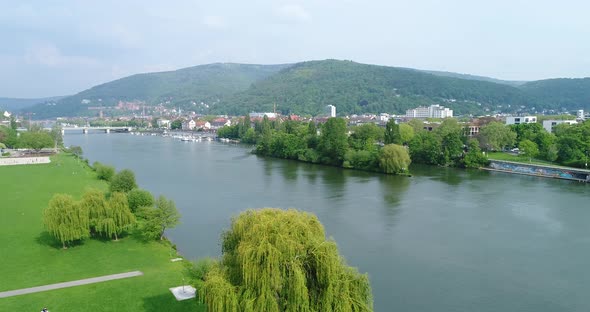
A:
(13, 161)
(86, 281)
(547, 171)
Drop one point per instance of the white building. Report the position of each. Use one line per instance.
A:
(331, 110)
(164, 123)
(549, 124)
(580, 114)
(432, 111)
(261, 115)
(188, 125)
(511, 120)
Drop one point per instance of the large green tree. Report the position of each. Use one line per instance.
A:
(117, 218)
(474, 158)
(139, 198)
(95, 203)
(394, 159)
(36, 140)
(496, 136)
(333, 142)
(392, 133)
(123, 181)
(280, 260)
(426, 148)
(104, 172)
(528, 149)
(153, 221)
(65, 219)
(176, 124)
(365, 137)
(8, 136)
(406, 133)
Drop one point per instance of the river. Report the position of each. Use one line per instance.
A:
(442, 240)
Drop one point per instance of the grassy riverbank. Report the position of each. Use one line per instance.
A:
(517, 158)
(30, 257)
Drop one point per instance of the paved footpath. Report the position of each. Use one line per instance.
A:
(86, 281)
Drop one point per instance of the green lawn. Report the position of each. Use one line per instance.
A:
(516, 158)
(30, 257)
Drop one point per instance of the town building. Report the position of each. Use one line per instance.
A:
(432, 111)
(580, 115)
(188, 125)
(516, 120)
(261, 115)
(203, 125)
(549, 124)
(164, 123)
(331, 111)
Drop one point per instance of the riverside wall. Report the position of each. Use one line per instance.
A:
(540, 170)
(13, 161)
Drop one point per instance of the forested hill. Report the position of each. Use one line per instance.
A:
(306, 88)
(513, 83)
(205, 83)
(563, 92)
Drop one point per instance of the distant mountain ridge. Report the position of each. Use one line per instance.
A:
(307, 87)
(204, 83)
(11, 104)
(513, 83)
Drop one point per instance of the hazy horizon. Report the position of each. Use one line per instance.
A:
(64, 47)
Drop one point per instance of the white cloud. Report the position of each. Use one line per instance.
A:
(214, 22)
(49, 55)
(293, 13)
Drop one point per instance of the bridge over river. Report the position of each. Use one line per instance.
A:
(105, 129)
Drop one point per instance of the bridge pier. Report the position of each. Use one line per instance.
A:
(107, 130)
(84, 130)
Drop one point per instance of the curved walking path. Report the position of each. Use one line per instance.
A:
(86, 281)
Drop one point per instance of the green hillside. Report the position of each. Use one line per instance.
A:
(513, 83)
(204, 83)
(306, 88)
(564, 93)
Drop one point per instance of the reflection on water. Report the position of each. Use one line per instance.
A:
(442, 240)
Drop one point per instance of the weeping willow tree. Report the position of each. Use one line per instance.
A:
(117, 216)
(280, 260)
(96, 204)
(65, 219)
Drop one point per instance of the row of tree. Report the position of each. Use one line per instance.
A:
(109, 215)
(330, 143)
(365, 147)
(568, 145)
(374, 148)
(35, 138)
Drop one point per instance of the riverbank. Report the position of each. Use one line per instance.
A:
(546, 171)
(30, 257)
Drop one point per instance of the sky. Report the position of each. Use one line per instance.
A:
(53, 47)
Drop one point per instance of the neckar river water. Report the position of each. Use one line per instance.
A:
(442, 240)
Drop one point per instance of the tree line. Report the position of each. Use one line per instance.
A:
(123, 209)
(329, 143)
(393, 148)
(568, 145)
(35, 137)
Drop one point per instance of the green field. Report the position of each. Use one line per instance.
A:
(517, 158)
(30, 257)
